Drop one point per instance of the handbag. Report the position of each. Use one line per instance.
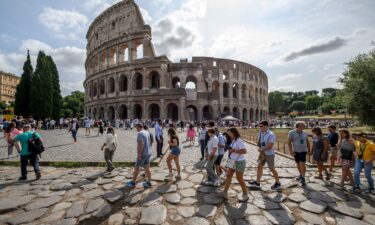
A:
(231, 163)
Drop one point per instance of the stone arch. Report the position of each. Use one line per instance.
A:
(154, 110)
(102, 87)
(192, 111)
(154, 80)
(207, 113)
(123, 83)
(138, 81)
(215, 86)
(101, 112)
(226, 90)
(124, 53)
(95, 93)
(176, 83)
(102, 60)
(252, 115)
(235, 90)
(243, 91)
(244, 115)
(191, 81)
(226, 111)
(112, 56)
(236, 112)
(123, 112)
(139, 51)
(172, 111)
(111, 113)
(138, 111)
(111, 85)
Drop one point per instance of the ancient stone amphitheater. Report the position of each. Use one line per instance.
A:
(125, 79)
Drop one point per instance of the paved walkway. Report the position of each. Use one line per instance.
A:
(90, 196)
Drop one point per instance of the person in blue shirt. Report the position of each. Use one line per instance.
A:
(25, 154)
(159, 138)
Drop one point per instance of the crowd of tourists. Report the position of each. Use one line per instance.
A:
(357, 152)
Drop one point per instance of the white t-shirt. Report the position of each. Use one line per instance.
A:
(110, 140)
(213, 143)
(237, 145)
(87, 123)
(202, 134)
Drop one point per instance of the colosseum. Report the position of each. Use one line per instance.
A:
(125, 79)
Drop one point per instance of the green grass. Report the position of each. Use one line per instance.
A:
(76, 164)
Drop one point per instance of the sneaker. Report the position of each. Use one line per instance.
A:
(369, 191)
(201, 159)
(356, 189)
(217, 183)
(303, 182)
(38, 176)
(276, 187)
(170, 175)
(147, 184)
(221, 193)
(299, 178)
(178, 177)
(223, 176)
(244, 198)
(10, 156)
(254, 184)
(130, 184)
(208, 183)
(22, 178)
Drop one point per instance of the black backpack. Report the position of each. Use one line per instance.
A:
(35, 145)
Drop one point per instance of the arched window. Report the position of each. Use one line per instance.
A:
(138, 81)
(123, 83)
(235, 90)
(191, 82)
(215, 86)
(155, 80)
(102, 87)
(140, 51)
(226, 90)
(111, 85)
(176, 82)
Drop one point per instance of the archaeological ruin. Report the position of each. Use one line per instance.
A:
(125, 79)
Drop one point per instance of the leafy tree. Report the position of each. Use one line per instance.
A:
(73, 104)
(359, 88)
(41, 89)
(329, 92)
(298, 106)
(275, 100)
(312, 102)
(22, 102)
(56, 92)
(312, 92)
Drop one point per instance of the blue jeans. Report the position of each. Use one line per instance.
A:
(203, 146)
(34, 161)
(74, 134)
(357, 171)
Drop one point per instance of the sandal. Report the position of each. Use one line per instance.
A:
(319, 177)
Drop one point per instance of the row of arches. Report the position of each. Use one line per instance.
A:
(153, 112)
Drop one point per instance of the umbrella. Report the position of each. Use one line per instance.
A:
(229, 118)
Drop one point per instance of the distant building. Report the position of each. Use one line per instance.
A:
(8, 84)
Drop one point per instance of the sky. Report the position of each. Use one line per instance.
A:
(300, 44)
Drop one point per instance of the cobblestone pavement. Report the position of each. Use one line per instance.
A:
(89, 196)
(60, 146)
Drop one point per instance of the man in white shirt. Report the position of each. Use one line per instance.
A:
(202, 139)
(87, 123)
(212, 149)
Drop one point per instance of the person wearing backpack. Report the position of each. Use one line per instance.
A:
(26, 153)
(109, 148)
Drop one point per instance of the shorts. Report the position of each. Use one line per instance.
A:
(347, 164)
(218, 160)
(270, 159)
(300, 157)
(333, 151)
(176, 151)
(241, 166)
(145, 161)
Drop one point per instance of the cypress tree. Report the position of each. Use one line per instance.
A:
(41, 89)
(22, 102)
(56, 95)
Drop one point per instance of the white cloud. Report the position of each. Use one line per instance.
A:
(146, 16)
(69, 61)
(284, 88)
(7, 38)
(67, 24)
(331, 77)
(291, 76)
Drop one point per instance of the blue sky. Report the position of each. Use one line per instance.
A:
(301, 45)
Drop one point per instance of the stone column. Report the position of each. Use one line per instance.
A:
(117, 84)
(130, 52)
(99, 54)
(146, 83)
(107, 58)
(117, 55)
(163, 76)
(182, 108)
(162, 109)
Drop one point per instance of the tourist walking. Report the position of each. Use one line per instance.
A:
(236, 164)
(159, 139)
(365, 158)
(347, 153)
(202, 139)
(8, 138)
(100, 127)
(333, 138)
(26, 154)
(109, 147)
(299, 145)
(143, 157)
(320, 148)
(145, 127)
(212, 155)
(174, 154)
(191, 133)
(74, 129)
(266, 154)
(221, 150)
(87, 123)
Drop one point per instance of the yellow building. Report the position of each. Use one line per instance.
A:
(8, 83)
